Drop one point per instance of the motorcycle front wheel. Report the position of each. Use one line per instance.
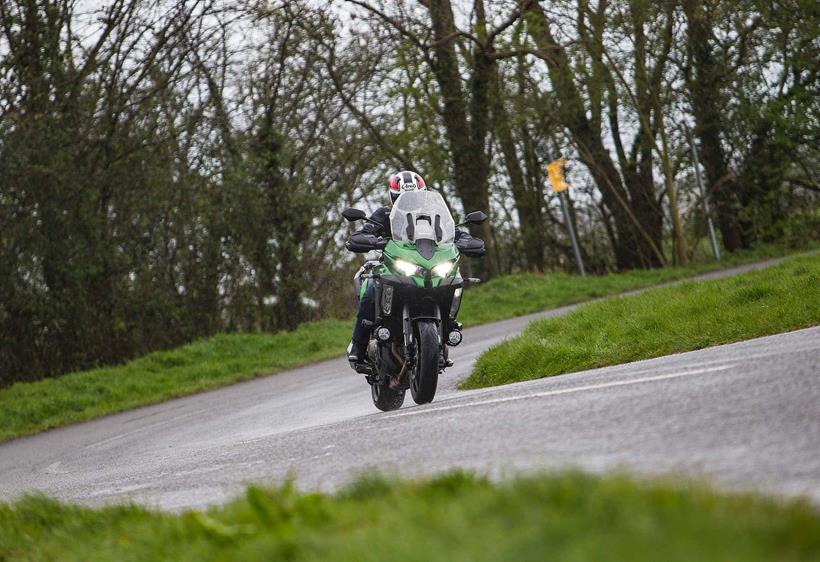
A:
(424, 379)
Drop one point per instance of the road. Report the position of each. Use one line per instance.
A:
(744, 416)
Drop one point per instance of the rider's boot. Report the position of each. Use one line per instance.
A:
(356, 352)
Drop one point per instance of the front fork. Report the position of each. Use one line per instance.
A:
(410, 344)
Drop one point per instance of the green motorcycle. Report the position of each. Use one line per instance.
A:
(418, 290)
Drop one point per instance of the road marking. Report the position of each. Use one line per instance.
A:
(417, 412)
(54, 468)
(110, 440)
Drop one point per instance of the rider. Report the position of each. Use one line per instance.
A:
(379, 228)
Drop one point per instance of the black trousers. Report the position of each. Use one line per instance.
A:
(367, 311)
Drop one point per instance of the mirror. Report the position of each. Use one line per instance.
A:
(353, 215)
(476, 217)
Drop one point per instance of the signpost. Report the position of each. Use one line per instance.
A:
(555, 173)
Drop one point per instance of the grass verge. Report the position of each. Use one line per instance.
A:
(224, 359)
(27, 408)
(658, 322)
(454, 517)
(516, 295)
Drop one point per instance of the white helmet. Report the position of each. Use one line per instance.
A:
(405, 181)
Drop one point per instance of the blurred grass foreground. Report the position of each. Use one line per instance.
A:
(457, 516)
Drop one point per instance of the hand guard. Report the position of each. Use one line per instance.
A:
(361, 243)
(471, 247)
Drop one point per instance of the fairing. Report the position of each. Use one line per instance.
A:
(422, 215)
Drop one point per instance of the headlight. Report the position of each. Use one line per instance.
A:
(406, 267)
(443, 269)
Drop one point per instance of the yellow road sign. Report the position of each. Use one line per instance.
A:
(555, 172)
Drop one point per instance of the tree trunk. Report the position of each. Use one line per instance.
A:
(705, 88)
(528, 207)
(638, 241)
(467, 141)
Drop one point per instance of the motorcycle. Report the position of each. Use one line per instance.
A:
(418, 290)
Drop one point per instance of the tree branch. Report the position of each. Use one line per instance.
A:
(395, 24)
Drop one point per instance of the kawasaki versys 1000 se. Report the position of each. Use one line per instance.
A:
(418, 289)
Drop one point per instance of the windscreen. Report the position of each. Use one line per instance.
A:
(422, 215)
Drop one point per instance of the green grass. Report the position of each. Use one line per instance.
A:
(516, 295)
(27, 408)
(456, 517)
(689, 316)
(224, 359)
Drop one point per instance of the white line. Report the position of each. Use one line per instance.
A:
(110, 440)
(563, 391)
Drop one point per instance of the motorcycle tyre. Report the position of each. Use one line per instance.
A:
(424, 379)
(385, 398)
